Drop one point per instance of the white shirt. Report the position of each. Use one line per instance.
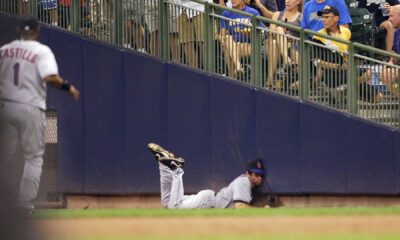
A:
(194, 8)
(23, 67)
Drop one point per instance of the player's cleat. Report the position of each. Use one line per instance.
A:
(165, 157)
(159, 152)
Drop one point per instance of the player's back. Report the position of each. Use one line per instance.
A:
(23, 66)
(238, 190)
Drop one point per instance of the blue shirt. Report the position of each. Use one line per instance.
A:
(234, 28)
(313, 22)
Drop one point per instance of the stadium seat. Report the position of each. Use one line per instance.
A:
(363, 26)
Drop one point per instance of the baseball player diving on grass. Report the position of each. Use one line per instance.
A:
(25, 67)
(238, 194)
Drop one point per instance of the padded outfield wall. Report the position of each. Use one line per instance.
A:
(216, 124)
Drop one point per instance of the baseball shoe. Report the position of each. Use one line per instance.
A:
(165, 157)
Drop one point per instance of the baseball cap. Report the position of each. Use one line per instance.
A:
(256, 166)
(328, 9)
(28, 22)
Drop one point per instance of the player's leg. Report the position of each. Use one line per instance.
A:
(8, 145)
(169, 170)
(32, 134)
(203, 199)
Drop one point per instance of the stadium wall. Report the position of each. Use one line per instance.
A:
(216, 124)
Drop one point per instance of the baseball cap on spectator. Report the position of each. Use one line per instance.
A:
(28, 23)
(256, 166)
(328, 9)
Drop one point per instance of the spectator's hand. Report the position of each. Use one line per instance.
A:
(258, 2)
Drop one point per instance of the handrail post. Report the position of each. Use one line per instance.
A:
(255, 79)
(163, 43)
(118, 23)
(209, 54)
(303, 67)
(33, 7)
(75, 16)
(352, 81)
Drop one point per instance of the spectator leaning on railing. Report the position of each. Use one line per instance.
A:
(312, 21)
(235, 37)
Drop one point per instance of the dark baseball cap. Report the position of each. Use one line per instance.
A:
(328, 9)
(28, 22)
(256, 166)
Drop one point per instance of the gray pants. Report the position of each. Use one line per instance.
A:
(23, 127)
(172, 192)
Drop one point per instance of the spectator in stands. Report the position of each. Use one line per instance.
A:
(390, 76)
(133, 12)
(279, 45)
(191, 33)
(151, 19)
(48, 11)
(379, 8)
(336, 52)
(235, 37)
(64, 12)
(312, 21)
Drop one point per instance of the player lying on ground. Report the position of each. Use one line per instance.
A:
(238, 194)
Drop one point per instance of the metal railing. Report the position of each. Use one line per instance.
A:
(355, 82)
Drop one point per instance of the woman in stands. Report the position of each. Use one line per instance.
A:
(280, 41)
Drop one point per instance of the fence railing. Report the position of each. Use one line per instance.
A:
(246, 49)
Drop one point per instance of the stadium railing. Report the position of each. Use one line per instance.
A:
(358, 81)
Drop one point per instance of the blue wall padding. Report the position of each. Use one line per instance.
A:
(278, 140)
(145, 119)
(323, 150)
(217, 125)
(233, 129)
(189, 129)
(397, 159)
(371, 158)
(71, 138)
(104, 118)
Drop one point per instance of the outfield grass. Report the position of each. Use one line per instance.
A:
(87, 213)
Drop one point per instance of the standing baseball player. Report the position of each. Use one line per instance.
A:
(25, 67)
(238, 194)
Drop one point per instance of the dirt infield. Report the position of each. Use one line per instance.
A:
(75, 228)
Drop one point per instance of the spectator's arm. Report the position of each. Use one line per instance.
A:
(222, 2)
(264, 11)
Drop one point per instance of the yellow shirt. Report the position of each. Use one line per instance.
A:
(345, 34)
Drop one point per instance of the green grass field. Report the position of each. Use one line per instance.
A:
(267, 212)
(279, 223)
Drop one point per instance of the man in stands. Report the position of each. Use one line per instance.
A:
(312, 21)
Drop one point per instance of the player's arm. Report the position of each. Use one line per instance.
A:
(57, 82)
(240, 204)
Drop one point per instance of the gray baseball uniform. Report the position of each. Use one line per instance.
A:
(172, 192)
(23, 66)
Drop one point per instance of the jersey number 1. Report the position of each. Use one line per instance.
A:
(16, 74)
